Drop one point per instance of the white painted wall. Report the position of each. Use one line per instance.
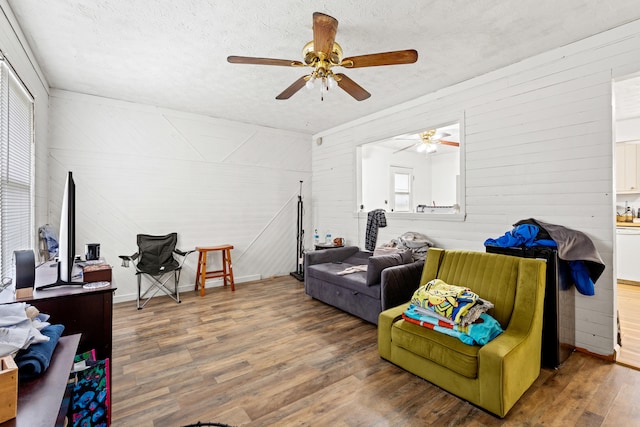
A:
(538, 144)
(14, 46)
(142, 169)
(375, 174)
(444, 190)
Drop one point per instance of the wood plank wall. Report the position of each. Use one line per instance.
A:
(538, 143)
(142, 169)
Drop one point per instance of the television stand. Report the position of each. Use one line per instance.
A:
(60, 282)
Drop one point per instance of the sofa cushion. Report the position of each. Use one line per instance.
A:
(359, 258)
(442, 349)
(354, 282)
(378, 263)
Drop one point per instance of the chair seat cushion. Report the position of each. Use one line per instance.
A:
(156, 270)
(442, 349)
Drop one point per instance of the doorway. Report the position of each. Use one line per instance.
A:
(626, 92)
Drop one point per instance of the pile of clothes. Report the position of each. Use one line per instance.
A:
(26, 334)
(20, 326)
(453, 310)
(574, 247)
(412, 241)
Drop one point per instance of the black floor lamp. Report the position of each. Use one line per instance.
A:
(299, 273)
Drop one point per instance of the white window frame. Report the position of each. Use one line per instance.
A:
(16, 167)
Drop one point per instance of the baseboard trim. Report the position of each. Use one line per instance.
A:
(628, 282)
(211, 283)
(608, 357)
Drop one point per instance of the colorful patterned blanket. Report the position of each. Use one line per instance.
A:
(450, 301)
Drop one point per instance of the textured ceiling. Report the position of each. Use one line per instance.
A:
(173, 53)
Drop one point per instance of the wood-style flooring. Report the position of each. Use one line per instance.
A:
(628, 313)
(268, 355)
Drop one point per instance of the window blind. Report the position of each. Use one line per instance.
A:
(16, 141)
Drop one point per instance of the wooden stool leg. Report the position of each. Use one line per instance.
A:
(230, 272)
(197, 285)
(224, 267)
(203, 273)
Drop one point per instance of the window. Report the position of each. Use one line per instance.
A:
(401, 179)
(420, 173)
(16, 140)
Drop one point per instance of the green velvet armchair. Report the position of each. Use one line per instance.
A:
(493, 376)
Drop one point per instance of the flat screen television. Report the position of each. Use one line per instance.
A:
(67, 237)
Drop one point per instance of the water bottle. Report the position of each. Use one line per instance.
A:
(316, 237)
(327, 239)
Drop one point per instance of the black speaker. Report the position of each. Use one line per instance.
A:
(25, 264)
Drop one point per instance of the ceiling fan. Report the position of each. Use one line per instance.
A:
(322, 54)
(429, 141)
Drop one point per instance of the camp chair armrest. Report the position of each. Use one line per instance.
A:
(130, 257)
(181, 253)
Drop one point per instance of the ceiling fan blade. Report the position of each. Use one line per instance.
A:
(263, 61)
(351, 87)
(451, 143)
(385, 58)
(406, 148)
(324, 32)
(296, 86)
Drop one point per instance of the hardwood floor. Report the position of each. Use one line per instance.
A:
(268, 355)
(628, 309)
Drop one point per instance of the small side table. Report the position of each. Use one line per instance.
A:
(226, 272)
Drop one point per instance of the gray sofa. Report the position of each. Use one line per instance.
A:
(364, 293)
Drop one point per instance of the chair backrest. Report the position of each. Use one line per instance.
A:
(497, 278)
(156, 252)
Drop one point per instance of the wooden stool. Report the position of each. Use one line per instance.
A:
(227, 270)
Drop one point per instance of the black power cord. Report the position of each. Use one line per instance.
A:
(199, 424)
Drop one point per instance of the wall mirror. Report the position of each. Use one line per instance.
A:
(418, 173)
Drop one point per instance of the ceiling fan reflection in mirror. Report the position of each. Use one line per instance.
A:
(322, 54)
(429, 141)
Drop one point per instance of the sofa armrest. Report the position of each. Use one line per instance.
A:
(385, 320)
(329, 255)
(378, 263)
(510, 363)
(399, 283)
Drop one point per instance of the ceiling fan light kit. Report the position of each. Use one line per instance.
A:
(322, 54)
(429, 141)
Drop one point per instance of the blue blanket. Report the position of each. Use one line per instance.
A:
(521, 235)
(35, 360)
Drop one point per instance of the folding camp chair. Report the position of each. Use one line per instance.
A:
(156, 259)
